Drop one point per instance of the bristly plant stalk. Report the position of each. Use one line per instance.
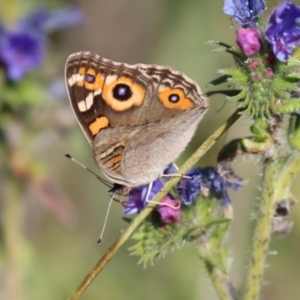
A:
(262, 234)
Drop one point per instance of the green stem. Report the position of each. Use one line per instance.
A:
(262, 234)
(284, 180)
(214, 253)
(221, 282)
(12, 240)
(144, 213)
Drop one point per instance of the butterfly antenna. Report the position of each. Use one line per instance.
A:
(105, 182)
(105, 220)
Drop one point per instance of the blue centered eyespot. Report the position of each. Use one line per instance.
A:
(122, 92)
(89, 78)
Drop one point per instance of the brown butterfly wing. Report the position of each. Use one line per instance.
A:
(138, 118)
(104, 93)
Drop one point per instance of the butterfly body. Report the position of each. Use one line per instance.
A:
(137, 118)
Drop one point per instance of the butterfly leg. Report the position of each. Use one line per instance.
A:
(149, 188)
(172, 171)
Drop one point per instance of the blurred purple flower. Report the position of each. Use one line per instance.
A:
(21, 52)
(137, 197)
(23, 49)
(283, 31)
(167, 213)
(245, 12)
(48, 21)
(248, 40)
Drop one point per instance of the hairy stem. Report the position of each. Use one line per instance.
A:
(262, 234)
(221, 282)
(284, 180)
(141, 217)
(214, 253)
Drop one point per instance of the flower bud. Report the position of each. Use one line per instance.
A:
(248, 40)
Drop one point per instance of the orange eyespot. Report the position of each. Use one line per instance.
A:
(175, 99)
(91, 81)
(96, 85)
(122, 93)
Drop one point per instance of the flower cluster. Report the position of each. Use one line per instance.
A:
(140, 196)
(282, 32)
(267, 73)
(208, 180)
(205, 181)
(22, 49)
(189, 212)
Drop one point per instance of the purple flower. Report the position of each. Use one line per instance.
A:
(208, 179)
(23, 48)
(218, 182)
(170, 170)
(21, 52)
(248, 40)
(189, 187)
(283, 30)
(47, 21)
(169, 213)
(245, 12)
(137, 197)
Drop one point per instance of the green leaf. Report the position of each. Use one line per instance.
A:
(240, 96)
(228, 93)
(289, 106)
(219, 80)
(293, 77)
(237, 76)
(154, 240)
(281, 84)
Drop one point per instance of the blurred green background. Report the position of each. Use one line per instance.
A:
(57, 246)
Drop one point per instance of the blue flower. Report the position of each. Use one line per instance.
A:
(245, 12)
(217, 183)
(23, 48)
(283, 30)
(137, 197)
(205, 180)
(189, 187)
